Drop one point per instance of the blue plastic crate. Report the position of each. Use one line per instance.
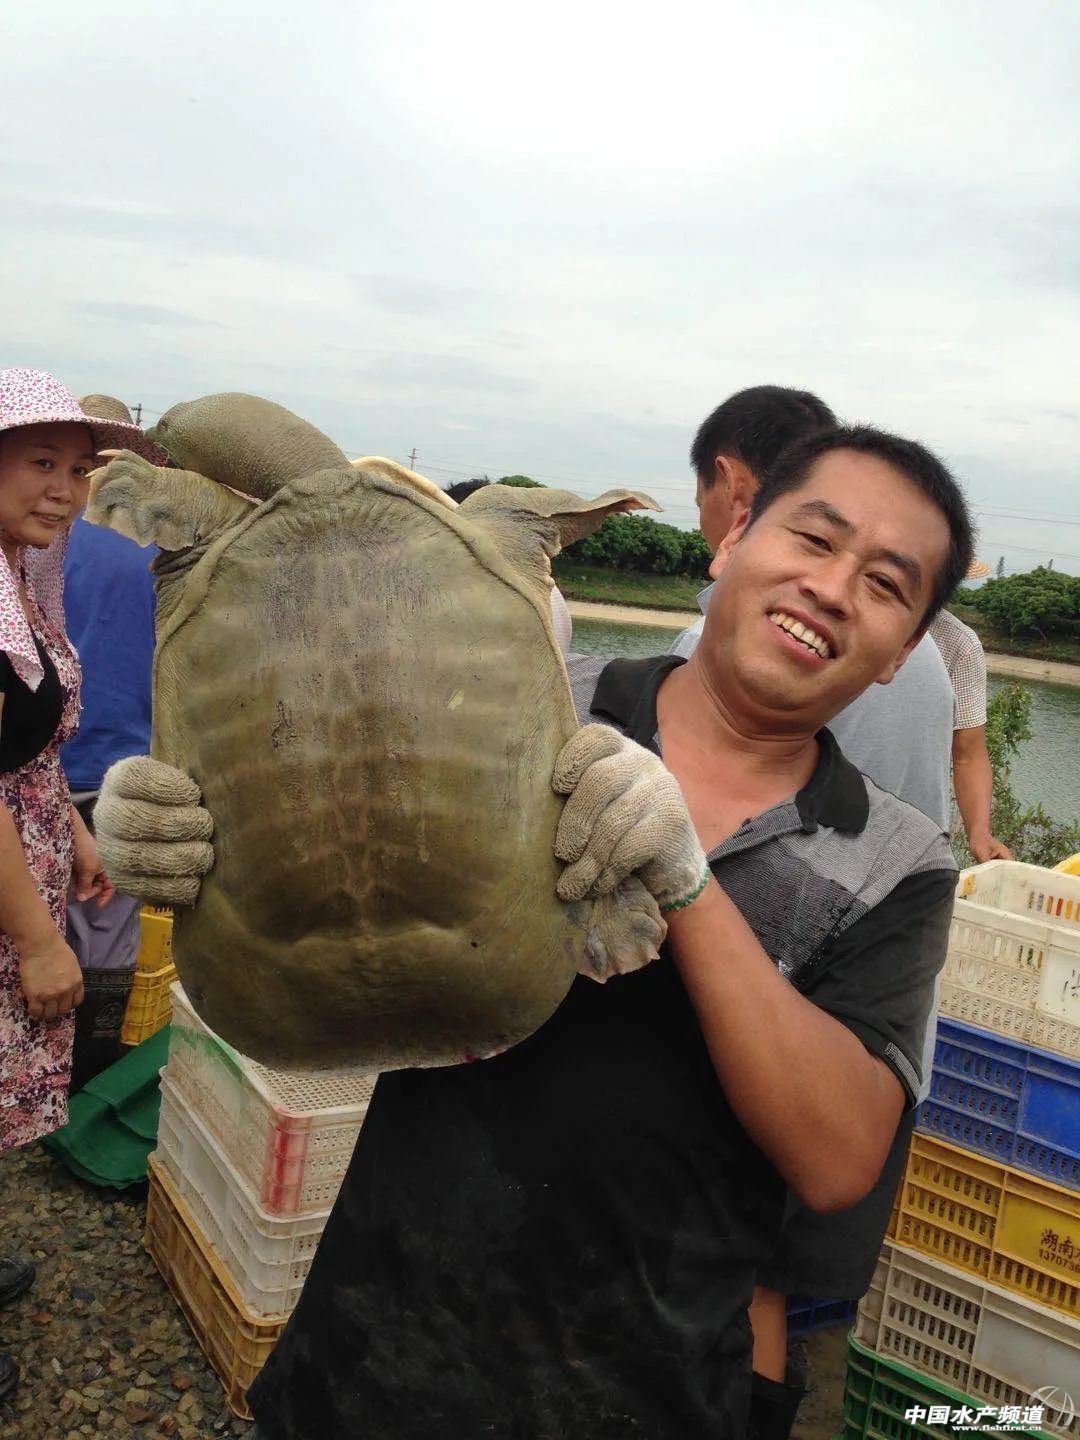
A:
(804, 1315)
(1008, 1101)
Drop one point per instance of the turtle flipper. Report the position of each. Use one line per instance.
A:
(558, 514)
(523, 516)
(624, 931)
(173, 509)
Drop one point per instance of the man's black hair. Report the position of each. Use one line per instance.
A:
(461, 489)
(910, 459)
(754, 426)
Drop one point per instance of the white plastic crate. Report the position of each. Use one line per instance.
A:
(1013, 963)
(267, 1257)
(973, 1337)
(290, 1134)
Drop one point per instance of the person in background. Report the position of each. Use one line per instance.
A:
(973, 779)
(47, 450)
(109, 610)
(462, 489)
(899, 735)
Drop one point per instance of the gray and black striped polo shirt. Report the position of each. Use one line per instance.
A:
(848, 888)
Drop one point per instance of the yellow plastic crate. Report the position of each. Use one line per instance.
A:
(1003, 1225)
(155, 938)
(149, 1005)
(234, 1340)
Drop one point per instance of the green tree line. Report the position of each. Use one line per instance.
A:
(1042, 602)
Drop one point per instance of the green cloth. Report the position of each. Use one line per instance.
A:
(113, 1119)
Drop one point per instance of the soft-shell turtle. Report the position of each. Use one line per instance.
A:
(361, 678)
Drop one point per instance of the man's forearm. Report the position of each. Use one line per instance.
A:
(973, 782)
(812, 1097)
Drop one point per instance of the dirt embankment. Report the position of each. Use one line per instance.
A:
(631, 614)
(1023, 667)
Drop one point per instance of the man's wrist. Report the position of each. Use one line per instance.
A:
(707, 909)
(690, 897)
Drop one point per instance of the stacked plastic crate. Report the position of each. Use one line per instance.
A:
(248, 1164)
(972, 1321)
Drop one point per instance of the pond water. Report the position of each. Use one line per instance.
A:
(1046, 773)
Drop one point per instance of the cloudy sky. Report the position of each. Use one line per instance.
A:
(550, 239)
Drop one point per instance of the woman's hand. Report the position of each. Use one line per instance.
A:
(51, 979)
(88, 877)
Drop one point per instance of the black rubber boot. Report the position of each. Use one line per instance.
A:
(9, 1376)
(15, 1277)
(773, 1406)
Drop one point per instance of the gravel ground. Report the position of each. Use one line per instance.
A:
(103, 1348)
(105, 1351)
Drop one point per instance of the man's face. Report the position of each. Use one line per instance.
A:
(823, 594)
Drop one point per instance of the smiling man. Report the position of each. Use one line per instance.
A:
(562, 1241)
(899, 735)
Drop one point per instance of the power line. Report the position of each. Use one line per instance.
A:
(1048, 550)
(1025, 515)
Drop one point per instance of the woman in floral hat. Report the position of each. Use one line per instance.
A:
(47, 450)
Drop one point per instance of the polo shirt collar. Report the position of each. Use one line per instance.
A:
(835, 795)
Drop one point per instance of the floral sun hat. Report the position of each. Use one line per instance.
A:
(32, 397)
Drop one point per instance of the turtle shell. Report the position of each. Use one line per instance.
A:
(369, 695)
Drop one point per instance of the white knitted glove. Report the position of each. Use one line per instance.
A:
(625, 816)
(152, 832)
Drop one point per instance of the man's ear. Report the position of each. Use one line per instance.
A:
(723, 474)
(728, 543)
(742, 484)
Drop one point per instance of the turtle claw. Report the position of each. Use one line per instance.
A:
(123, 496)
(172, 509)
(625, 932)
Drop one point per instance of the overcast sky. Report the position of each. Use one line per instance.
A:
(549, 239)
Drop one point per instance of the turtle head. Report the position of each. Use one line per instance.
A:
(249, 444)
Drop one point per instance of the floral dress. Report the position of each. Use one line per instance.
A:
(35, 1055)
